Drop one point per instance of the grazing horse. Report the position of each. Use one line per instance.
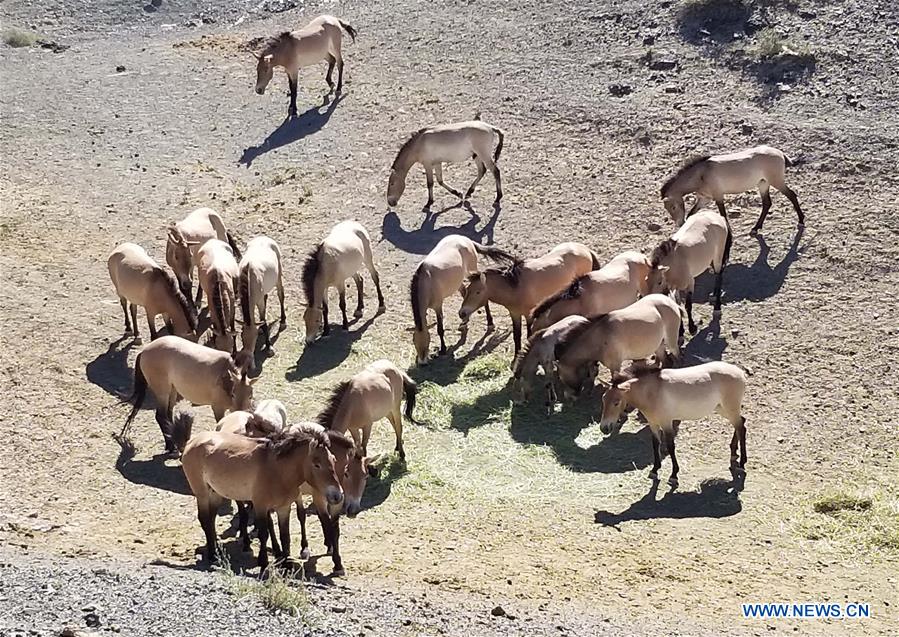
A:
(540, 351)
(450, 143)
(139, 280)
(645, 328)
(218, 274)
(667, 396)
(340, 256)
(269, 416)
(267, 472)
(375, 392)
(520, 286)
(185, 238)
(712, 177)
(319, 40)
(175, 368)
(615, 285)
(260, 273)
(437, 276)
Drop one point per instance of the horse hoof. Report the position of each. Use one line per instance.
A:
(754, 232)
(654, 476)
(282, 324)
(490, 328)
(357, 314)
(305, 553)
(673, 482)
(138, 340)
(338, 572)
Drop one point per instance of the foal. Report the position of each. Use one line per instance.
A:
(704, 240)
(712, 177)
(441, 273)
(260, 273)
(339, 257)
(218, 275)
(667, 396)
(139, 280)
(319, 40)
(185, 238)
(520, 286)
(449, 143)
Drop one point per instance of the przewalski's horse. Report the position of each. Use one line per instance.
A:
(340, 256)
(712, 177)
(260, 273)
(185, 238)
(218, 274)
(375, 392)
(645, 328)
(703, 241)
(267, 472)
(449, 143)
(319, 40)
(540, 352)
(615, 285)
(667, 396)
(175, 368)
(268, 417)
(139, 280)
(441, 273)
(519, 287)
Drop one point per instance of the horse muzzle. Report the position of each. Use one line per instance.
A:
(464, 314)
(334, 495)
(351, 508)
(260, 91)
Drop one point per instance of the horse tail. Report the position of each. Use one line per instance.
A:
(182, 427)
(409, 389)
(218, 301)
(415, 294)
(499, 145)
(596, 264)
(233, 244)
(346, 27)
(137, 397)
(244, 292)
(496, 254)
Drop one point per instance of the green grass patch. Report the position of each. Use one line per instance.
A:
(18, 38)
(770, 44)
(278, 594)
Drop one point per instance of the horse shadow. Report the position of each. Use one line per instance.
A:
(260, 354)
(110, 370)
(152, 472)
(760, 280)
(706, 345)
(291, 130)
(716, 498)
(445, 369)
(327, 352)
(378, 488)
(428, 235)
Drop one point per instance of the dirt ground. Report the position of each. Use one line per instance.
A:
(498, 504)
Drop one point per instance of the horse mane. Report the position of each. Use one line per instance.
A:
(631, 372)
(273, 42)
(571, 336)
(687, 165)
(573, 291)
(282, 442)
(511, 272)
(339, 440)
(406, 145)
(310, 271)
(518, 363)
(416, 306)
(190, 315)
(661, 251)
(243, 292)
(326, 417)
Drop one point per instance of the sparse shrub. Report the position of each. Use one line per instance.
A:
(770, 44)
(859, 523)
(18, 38)
(834, 502)
(275, 593)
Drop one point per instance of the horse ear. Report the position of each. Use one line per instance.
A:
(626, 385)
(662, 268)
(370, 468)
(227, 381)
(268, 58)
(256, 55)
(251, 381)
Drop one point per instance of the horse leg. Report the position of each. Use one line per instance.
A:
(341, 293)
(360, 302)
(292, 81)
(326, 326)
(331, 62)
(276, 547)
(242, 520)
(490, 325)
(688, 305)
(396, 419)
(482, 170)
(440, 330)
(370, 266)
(263, 307)
(669, 438)
(765, 192)
(516, 333)
(304, 540)
(438, 170)
(496, 177)
(795, 201)
(284, 530)
(721, 208)
(742, 442)
(199, 297)
(331, 529)
(656, 456)
(429, 178)
(133, 310)
(339, 73)
(165, 426)
(262, 531)
(151, 323)
(124, 303)
(281, 300)
(206, 515)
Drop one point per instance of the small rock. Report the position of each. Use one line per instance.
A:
(156, 3)
(735, 333)
(649, 40)
(664, 64)
(338, 609)
(498, 611)
(92, 620)
(674, 89)
(407, 622)
(120, 68)
(653, 226)
(620, 90)
(746, 128)
(780, 439)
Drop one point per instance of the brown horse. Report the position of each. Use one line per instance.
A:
(139, 280)
(186, 237)
(218, 275)
(712, 177)
(521, 286)
(260, 273)
(667, 396)
(319, 40)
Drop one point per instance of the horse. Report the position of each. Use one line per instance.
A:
(260, 273)
(356, 404)
(184, 239)
(139, 280)
(705, 239)
(713, 176)
(437, 276)
(319, 40)
(521, 286)
(667, 396)
(175, 368)
(645, 328)
(269, 416)
(539, 351)
(267, 472)
(339, 257)
(615, 285)
(218, 275)
(450, 143)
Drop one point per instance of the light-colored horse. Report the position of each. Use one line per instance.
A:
(319, 40)
(645, 328)
(267, 472)
(712, 177)
(269, 416)
(668, 396)
(185, 238)
(703, 241)
(218, 274)
(441, 273)
(451, 143)
(260, 273)
(175, 368)
(615, 285)
(521, 286)
(340, 256)
(139, 280)
(375, 392)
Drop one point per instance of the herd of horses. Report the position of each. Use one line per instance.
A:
(625, 315)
